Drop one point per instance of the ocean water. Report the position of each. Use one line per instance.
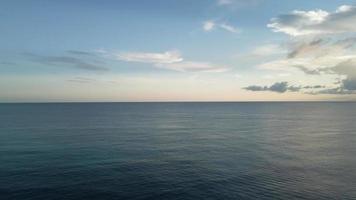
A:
(178, 151)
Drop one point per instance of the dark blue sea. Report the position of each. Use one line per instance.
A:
(105, 151)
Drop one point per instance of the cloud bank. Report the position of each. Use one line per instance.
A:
(299, 23)
(279, 87)
(282, 87)
(326, 48)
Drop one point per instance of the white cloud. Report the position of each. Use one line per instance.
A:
(169, 60)
(317, 21)
(326, 60)
(309, 64)
(144, 57)
(309, 56)
(229, 28)
(321, 47)
(192, 66)
(224, 2)
(82, 80)
(323, 55)
(344, 8)
(346, 83)
(238, 3)
(210, 25)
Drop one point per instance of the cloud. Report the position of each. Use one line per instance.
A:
(237, 3)
(314, 86)
(335, 91)
(210, 25)
(279, 87)
(347, 69)
(282, 87)
(171, 60)
(144, 57)
(347, 84)
(7, 63)
(308, 71)
(224, 2)
(344, 70)
(267, 50)
(83, 53)
(67, 61)
(288, 65)
(323, 51)
(190, 66)
(318, 21)
(321, 47)
(262, 53)
(229, 28)
(304, 48)
(313, 57)
(81, 80)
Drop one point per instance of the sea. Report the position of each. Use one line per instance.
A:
(187, 150)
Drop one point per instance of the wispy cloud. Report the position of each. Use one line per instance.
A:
(83, 53)
(171, 60)
(192, 66)
(66, 61)
(318, 21)
(7, 63)
(145, 57)
(307, 70)
(237, 3)
(260, 54)
(81, 80)
(229, 28)
(211, 25)
(335, 91)
(224, 2)
(305, 48)
(321, 47)
(313, 56)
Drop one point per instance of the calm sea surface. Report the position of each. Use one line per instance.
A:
(178, 151)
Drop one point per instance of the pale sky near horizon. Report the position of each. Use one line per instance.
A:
(177, 50)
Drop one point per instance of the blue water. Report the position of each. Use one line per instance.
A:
(178, 151)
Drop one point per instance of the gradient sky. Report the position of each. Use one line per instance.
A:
(177, 50)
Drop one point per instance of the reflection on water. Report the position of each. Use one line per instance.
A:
(178, 151)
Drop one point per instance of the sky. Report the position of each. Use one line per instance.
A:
(177, 50)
